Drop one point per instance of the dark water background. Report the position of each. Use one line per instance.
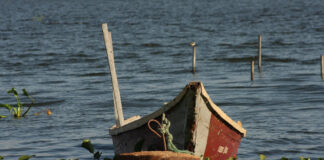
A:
(61, 61)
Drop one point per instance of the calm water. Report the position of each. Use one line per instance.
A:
(55, 50)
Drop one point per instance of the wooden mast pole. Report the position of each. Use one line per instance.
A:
(119, 117)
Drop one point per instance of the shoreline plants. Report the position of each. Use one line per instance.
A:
(17, 110)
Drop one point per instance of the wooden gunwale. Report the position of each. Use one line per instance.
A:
(139, 122)
(222, 115)
(134, 123)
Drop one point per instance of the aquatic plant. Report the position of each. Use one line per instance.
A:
(262, 157)
(23, 157)
(26, 157)
(38, 18)
(16, 111)
(87, 145)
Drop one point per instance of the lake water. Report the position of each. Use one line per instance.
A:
(55, 49)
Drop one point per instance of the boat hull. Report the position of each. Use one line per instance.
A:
(197, 125)
(223, 142)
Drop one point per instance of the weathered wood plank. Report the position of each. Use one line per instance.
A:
(115, 130)
(201, 131)
(119, 116)
(222, 115)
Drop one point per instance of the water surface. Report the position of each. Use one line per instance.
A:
(55, 50)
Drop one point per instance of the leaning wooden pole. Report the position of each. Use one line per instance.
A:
(322, 66)
(119, 117)
(260, 57)
(193, 45)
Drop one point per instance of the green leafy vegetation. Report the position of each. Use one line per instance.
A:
(38, 18)
(87, 145)
(23, 157)
(17, 111)
(262, 157)
(26, 157)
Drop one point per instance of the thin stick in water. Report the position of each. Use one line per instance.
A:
(252, 70)
(322, 66)
(193, 44)
(260, 57)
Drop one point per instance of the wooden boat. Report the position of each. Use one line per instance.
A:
(197, 125)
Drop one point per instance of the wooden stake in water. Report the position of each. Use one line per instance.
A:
(252, 70)
(193, 45)
(322, 66)
(260, 57)
(119, 117)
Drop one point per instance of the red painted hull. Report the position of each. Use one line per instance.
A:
(223, 142)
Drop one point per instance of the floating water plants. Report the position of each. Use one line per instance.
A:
(17, 111)
(26, 157)
(38, 18)
(23, 157)
(88, 146)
